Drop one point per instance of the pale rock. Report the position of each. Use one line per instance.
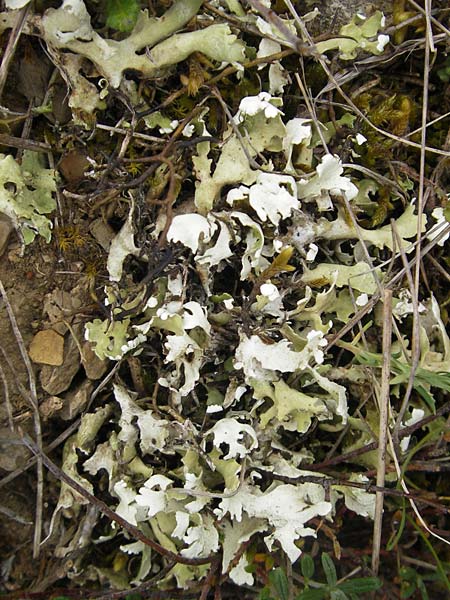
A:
(47, 347)
(57, 379)
(94, 366)
(75, 402)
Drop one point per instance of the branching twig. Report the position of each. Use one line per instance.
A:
(134, 531)
(62, 436)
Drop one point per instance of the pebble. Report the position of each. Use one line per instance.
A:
(47, 347)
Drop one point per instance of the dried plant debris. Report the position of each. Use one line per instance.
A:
(233, 234)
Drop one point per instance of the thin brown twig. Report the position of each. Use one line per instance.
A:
(210, 577)
(235, 129)
(143, 587)
(12, 45)
(406, 431)
(407, 269)
(327, 481)
(32, 397)
(134, 531)
(356, 110)
(62, 436)
(312, 111)
(435, 21)
(169, 200)
(24, 144)
(415, 282)
(439, 267)
(7, 400)
(19, 385)
(229, 70)
(375, 298)
(290, 39)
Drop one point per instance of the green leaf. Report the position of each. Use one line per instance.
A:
(122, 14)
(280, 582)
(338, 594)
(316, 594)
(447, 212)
(422, 588)
(360, 585)
(265, 594)
(329, 569)
(395, 537)
(307, 566)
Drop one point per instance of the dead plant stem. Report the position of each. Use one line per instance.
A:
(134, 531)
(62, 436)
(32, 397)
(10, 49)
(7, 400)
(375, 298)
(383, 427)
(415, 341)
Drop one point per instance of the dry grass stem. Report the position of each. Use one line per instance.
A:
(7, 400)
(312, 111)
(62, 437)
(32, 397)
(383, 426)
(10, 49)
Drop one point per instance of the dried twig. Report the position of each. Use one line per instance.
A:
(12, 44)
(415, 342)
(236, 131)
(24, 144)
(65, 434)
(7, 400)
(312, 111)
(376, 297)
(427, 12)
(383, 426)
(439, 267)
(326, 481)
(32, 397)
(134, 531)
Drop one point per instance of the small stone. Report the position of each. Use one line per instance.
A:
(95, 367)
(57, 379)
(47, 347)
(50, 406)
(102, 232)
(76, 401)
